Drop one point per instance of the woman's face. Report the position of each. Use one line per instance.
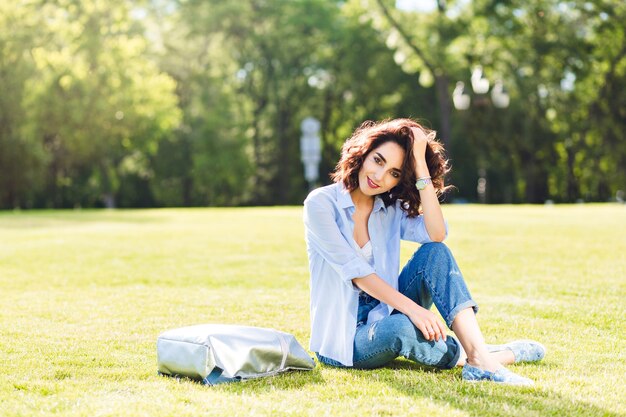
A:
(381, 169)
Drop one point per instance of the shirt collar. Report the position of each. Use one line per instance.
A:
(345, 201)
(379, 204)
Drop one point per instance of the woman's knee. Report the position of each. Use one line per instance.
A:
(428, 252)
(435, 249)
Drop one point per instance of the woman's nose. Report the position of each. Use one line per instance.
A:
(378, 174)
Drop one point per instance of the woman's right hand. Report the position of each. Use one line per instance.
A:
(420, 142)
(425, 320)
(428, 323)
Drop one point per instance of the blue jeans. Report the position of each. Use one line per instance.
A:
(431, 275)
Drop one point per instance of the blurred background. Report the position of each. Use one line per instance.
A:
(153, 103)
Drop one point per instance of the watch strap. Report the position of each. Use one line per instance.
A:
(422, 182)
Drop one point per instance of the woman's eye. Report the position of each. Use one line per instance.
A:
(377, 160)
(395, 175)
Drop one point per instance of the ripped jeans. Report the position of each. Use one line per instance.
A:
(431, 275)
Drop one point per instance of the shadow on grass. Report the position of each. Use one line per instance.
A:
(293, 380)
(413, 380)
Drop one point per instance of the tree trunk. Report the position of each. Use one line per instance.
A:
(445, 111)
(536, 182)
(572, 191)
(108, 196)
(284, 162)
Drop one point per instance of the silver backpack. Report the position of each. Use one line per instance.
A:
(217, 353)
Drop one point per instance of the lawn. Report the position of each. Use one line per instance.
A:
(86, 293)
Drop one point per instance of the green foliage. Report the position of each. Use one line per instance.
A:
(559, 137)
(550, 54)
(97, 106)
(167, 103)
(100, 105)
(21, 156)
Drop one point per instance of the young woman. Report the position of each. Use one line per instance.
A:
(363, 314)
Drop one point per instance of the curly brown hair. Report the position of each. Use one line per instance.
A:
(369, 136)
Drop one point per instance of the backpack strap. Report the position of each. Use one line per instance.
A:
(215, 377)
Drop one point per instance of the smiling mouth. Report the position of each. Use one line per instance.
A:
(371, 183)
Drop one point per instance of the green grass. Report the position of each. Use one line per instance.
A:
(86, 293)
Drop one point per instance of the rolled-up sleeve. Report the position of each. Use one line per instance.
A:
(414, 229)
(324, 237)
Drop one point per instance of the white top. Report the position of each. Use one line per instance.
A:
(366, 252)
(381, 310)
(335, 260)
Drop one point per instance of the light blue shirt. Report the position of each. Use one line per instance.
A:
(334, 262)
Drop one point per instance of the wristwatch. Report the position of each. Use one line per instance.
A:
(421, 183)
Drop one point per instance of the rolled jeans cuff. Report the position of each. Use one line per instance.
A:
(456, 310)
(457, 355)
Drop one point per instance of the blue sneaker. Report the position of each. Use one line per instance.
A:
(523, 350)
(501, 376)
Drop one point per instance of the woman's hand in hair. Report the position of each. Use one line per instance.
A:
(420, 141)
(431, 210)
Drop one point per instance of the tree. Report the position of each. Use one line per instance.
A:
(97, 104)
(274, 45)
(562, 69)
(20, 155)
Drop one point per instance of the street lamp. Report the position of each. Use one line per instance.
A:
(461, 100)
(310, 149)
(499, 95)
(480, 86)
